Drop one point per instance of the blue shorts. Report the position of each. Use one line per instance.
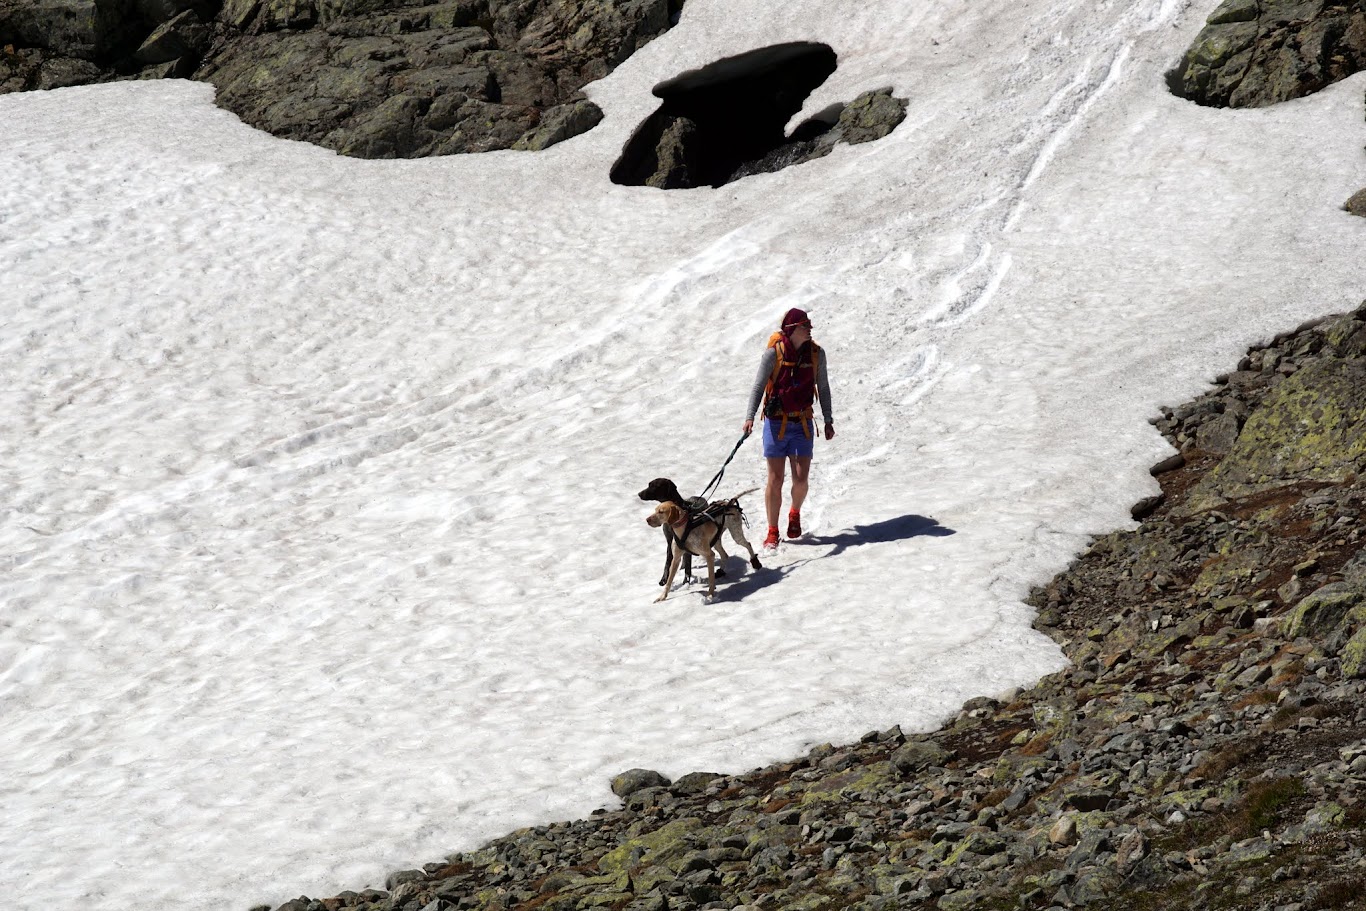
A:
(794, 441)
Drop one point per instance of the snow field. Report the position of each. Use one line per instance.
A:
(319, 548)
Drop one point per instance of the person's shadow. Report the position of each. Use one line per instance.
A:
(901, 528)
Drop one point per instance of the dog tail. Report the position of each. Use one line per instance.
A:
(736, 498)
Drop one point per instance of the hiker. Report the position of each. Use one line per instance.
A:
(791, 375)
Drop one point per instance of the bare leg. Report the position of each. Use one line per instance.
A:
(773, 493)
(801, 476)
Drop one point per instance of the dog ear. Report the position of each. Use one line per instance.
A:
(672, 514)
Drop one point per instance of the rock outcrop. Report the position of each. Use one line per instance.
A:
(1253, 53)
(1205, 749)
(726, 120)
(368, 78)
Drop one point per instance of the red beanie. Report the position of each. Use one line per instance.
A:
(795, 317)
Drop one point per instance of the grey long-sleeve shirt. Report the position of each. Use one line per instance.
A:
(770, 360)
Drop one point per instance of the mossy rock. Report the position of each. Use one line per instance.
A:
(1311, 427)
(1323, 611)
(879, 776)
(1353, 655)
(1234, 11)
(665, 844)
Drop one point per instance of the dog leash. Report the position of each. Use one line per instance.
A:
(710, 488)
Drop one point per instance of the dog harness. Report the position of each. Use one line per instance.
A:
(694, 517)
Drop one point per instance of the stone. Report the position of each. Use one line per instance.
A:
(560, 123)
(632, 780)
(182, 36)
(1218, 435)
(1133, 847)
(918, 755)
(1356, 203)
(1064, 831)
(1234, 11)
(867, 118)
(1353, 655)
(61, 72)
(401, 877)
(1321, 612)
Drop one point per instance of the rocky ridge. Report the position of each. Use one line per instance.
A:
(367, 78)
(1206, 749)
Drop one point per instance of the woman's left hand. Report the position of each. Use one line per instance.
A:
(829, 431)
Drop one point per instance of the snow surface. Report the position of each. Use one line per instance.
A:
(319, 548)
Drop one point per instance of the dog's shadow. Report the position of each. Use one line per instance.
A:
(735, 587)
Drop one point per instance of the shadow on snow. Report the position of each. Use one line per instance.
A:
(902, 528)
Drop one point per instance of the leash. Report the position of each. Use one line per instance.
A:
(710, 488)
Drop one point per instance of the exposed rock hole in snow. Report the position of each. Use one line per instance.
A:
(727, 120)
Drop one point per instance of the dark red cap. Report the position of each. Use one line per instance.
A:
(795, 317)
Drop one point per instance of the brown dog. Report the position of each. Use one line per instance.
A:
(693, 536)
(724, 512)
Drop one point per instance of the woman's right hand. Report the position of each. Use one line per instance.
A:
(749, 427)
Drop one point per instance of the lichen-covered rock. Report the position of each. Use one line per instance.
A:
(918, 755)
(868, 117)
(1252, 53)
(1320, 613)
(1353, 655)
(1311, 427)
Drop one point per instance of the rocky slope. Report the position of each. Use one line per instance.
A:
(1205, 749)
(368, 78)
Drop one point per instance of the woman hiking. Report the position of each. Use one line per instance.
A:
(792, 374)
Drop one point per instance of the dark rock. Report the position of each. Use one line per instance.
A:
(867, 118)
(1252, 54)
(182, 36)
(94, 30)
(1356, 204)
(1087, 801)
(1145, 507)
(400, 877)
(560, 123)
(726, 120)
(60, 72)
(366, 78)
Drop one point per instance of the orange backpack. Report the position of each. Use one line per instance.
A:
(791, 389)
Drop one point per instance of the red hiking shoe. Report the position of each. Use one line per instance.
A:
(794, 524)
(771, 542)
